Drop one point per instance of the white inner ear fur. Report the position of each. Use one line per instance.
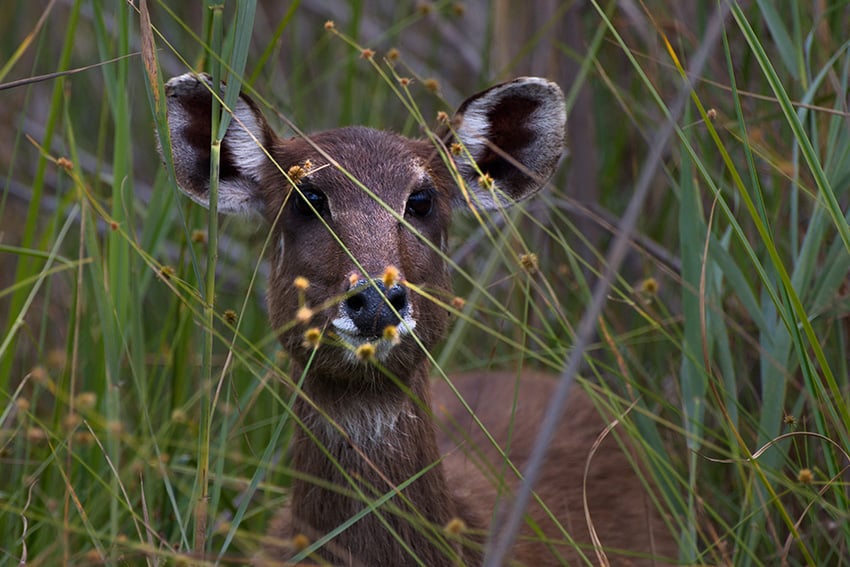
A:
(239, 196)
(245, 138)
(473, 131)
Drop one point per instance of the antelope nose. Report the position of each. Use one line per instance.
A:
(369, 308)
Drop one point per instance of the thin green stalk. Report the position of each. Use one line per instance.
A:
(120, 267)
(201, 511)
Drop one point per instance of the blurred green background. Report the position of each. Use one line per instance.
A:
(728, 321)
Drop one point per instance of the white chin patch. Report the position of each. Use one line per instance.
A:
(348, 333)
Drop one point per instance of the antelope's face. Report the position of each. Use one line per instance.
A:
(360, 217)
(360, 244)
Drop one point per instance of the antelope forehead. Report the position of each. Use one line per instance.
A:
(369, 186)
(390, 176)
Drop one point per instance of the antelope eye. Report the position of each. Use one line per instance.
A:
(420, 203)
(309, 201)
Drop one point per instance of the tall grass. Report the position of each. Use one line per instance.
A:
(144, 405)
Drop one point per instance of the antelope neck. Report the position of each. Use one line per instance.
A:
(361, 411)
(363, 466)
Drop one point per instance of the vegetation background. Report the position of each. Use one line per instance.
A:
(121, 386)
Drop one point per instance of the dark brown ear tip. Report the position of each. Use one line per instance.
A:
(190, 88)
(529, 87)
(540, 83)
(542, 90)
(187, 84)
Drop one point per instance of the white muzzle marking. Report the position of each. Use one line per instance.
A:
(347, 331)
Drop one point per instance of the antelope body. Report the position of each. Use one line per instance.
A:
(363, 215)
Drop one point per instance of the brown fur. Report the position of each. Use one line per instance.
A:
(366, 431)
(619, 506)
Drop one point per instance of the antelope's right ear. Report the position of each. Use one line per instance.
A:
(514, 133)
(189, 110)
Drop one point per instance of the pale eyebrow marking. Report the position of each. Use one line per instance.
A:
(419, 169)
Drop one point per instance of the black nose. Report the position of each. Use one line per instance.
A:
(369, 308)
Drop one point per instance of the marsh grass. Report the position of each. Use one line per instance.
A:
(144, 405)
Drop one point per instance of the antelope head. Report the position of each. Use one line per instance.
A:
(359, 217)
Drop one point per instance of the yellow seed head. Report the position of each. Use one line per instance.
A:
(456, 149)
(442, 117)
(115, 427)
(455, 527)
(166, 272)
(353, 279)
(39, 376)
(57, 358)
(300, 542)
(805, 476)
(367, 54)
(485, 181)
(649, 286)
(529, 262)
(458, 9)
(329, 25)
(22, 404)
(86, 401)
(296, 173)
(790, 420)
(178, 415)
(393, 54)
(222, 527)
(65, 164)
(424, 8)
(304, 314)
(404, 81)
(365, 351)
(391, 275)
(391, 334)
(312, 337)
(72, 421)
(301, 283)
(84, 438)
(230, 316)
(432, 85)
(199, 236)
(711, 114)
(36, 435)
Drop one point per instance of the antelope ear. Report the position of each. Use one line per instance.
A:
(189, 110)
(515, 133)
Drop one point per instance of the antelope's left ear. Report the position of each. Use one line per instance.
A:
(189, 99)
(515, 133)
